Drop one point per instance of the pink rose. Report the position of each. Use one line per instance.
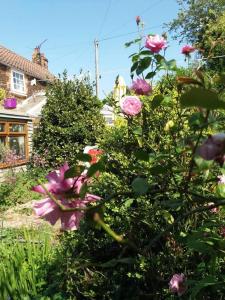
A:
(59, 187)
(131, 105)
(141, 87)
(213, 148)
(155, 43)
(187, 49)
(177, 284)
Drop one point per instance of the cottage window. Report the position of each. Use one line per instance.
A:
(18, 82)
(13, 136)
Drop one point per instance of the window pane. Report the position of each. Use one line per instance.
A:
(17, 145)
(2, 149)
(17, 127)
(18, 81)
(2, 127)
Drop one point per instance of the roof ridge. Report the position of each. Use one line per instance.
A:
(37, 69)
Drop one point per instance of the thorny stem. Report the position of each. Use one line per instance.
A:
(192, 162)
(113, 234)
(194, 211)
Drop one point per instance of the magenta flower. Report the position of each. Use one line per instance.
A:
(187, 49)
(155, 43)
(177, 284)
(59, 187)
(213, 148)
(131, 105)
(141, 87)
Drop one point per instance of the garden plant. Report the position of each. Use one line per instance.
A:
(145, 220)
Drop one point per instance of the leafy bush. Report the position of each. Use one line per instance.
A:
(70, 120)
(18, 190)
(157, 216)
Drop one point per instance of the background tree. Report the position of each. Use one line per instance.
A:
(70, 120)
(201, 23)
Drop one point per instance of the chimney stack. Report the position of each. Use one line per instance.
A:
(39, 58)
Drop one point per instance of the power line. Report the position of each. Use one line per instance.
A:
(141, 13)
(129, 33)
(105, 17)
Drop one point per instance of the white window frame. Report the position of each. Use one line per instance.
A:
(16, 91)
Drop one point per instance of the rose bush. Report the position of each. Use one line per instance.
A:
(156, 230)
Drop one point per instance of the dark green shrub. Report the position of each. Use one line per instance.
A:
(70, 120)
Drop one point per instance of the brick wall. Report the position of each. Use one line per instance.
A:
(5, 83)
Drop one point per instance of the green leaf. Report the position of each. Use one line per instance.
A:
(74, 171)
(167, 216)
(134, 67)
(113, 262)
(140, 185)
(84, 157)
(158, 169)
(95, 168)
(203, 164)
(128, 44)
(144, 63)
(145, 52)
(150, 75)
(142, 155)
(201, 98)
(157, 100)
(83, 190)
(137, 130)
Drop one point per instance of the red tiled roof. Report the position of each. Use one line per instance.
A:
(13, 60)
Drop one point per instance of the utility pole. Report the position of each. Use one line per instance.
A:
(96, 44)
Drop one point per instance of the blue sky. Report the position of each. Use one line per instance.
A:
(71, 27)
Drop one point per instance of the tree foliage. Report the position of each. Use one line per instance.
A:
(70, 120)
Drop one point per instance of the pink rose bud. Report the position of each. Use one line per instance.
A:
(131, 105)
(177, 284)
(138, 20)
(213, 148)
(141, 87)
(187, 49)
(155, 43)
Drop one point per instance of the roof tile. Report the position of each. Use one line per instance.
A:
(13, 60)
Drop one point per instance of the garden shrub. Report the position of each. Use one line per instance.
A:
(70, 120)
(17, 187)
(157, 218)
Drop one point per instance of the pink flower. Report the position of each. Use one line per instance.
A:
(155, 43)
(187, 49)
(221, 179)
(141, 87)
(214, 209)
(138, 20)
(213, 148)
(131, 105)
(60, 188)
(177, 284)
